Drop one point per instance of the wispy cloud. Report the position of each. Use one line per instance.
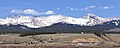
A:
(31, 11)
(78, 9)
(106, 7)
(89, 7)
(57, 8)
(73, 9)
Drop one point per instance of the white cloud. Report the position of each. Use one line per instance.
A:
(17, 11)
(106, 7)
(49, 12)
(58, 8)
(76, 9)
(89, 7)
(31, 11)
(73, 9)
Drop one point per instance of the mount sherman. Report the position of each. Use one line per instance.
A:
(60, 23)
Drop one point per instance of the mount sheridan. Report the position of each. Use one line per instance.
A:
(60, 23)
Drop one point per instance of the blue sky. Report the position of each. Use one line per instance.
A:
(74, 8)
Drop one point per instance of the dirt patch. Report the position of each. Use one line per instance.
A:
(85, 40)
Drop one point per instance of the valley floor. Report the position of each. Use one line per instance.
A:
(63, 40)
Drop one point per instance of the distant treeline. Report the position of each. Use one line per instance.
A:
(36, 33)
(27, 33)
(24, 33)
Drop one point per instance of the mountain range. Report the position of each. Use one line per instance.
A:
(60, 23)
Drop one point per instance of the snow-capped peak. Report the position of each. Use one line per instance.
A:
(94, 19)
(91, 16)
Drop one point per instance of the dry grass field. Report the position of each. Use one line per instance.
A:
(114, 37)
(58, 41)
(14, 39)
(63, 37)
